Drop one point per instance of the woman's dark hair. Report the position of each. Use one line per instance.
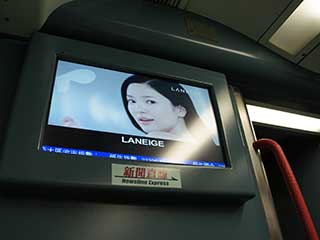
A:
(172, 91)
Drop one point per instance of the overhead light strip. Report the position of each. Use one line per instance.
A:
(302, 26)
(283, 119)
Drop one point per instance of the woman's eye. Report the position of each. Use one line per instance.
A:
(131, 101)
(150, 102)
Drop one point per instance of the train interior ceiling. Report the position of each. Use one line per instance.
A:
(242, 39)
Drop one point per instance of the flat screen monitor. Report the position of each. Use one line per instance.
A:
(92, 117)
(109, 113)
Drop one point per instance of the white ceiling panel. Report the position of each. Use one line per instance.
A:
(265, 40)
(312, 61)
(250, 17)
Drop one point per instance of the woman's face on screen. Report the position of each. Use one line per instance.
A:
(151, 110)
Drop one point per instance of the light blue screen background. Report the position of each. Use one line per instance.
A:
(91, 97)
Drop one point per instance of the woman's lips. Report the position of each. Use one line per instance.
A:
(145, 121)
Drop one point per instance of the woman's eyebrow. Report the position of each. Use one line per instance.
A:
(129, 96)
(148, 96)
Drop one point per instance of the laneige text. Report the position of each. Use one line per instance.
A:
(142, 141)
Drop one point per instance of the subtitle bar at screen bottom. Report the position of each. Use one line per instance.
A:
(127, 157)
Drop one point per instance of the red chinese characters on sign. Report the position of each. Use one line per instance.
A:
(162, 174)
(145, 172)
(152, 173)
(128, 172)
(140, 172)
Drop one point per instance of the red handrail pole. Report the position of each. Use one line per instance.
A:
(292, 184)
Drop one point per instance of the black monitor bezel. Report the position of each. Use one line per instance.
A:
(29, 165)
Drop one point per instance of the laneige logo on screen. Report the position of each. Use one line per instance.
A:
(142, 141)
(180, 90)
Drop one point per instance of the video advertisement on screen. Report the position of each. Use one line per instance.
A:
(113, 114)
